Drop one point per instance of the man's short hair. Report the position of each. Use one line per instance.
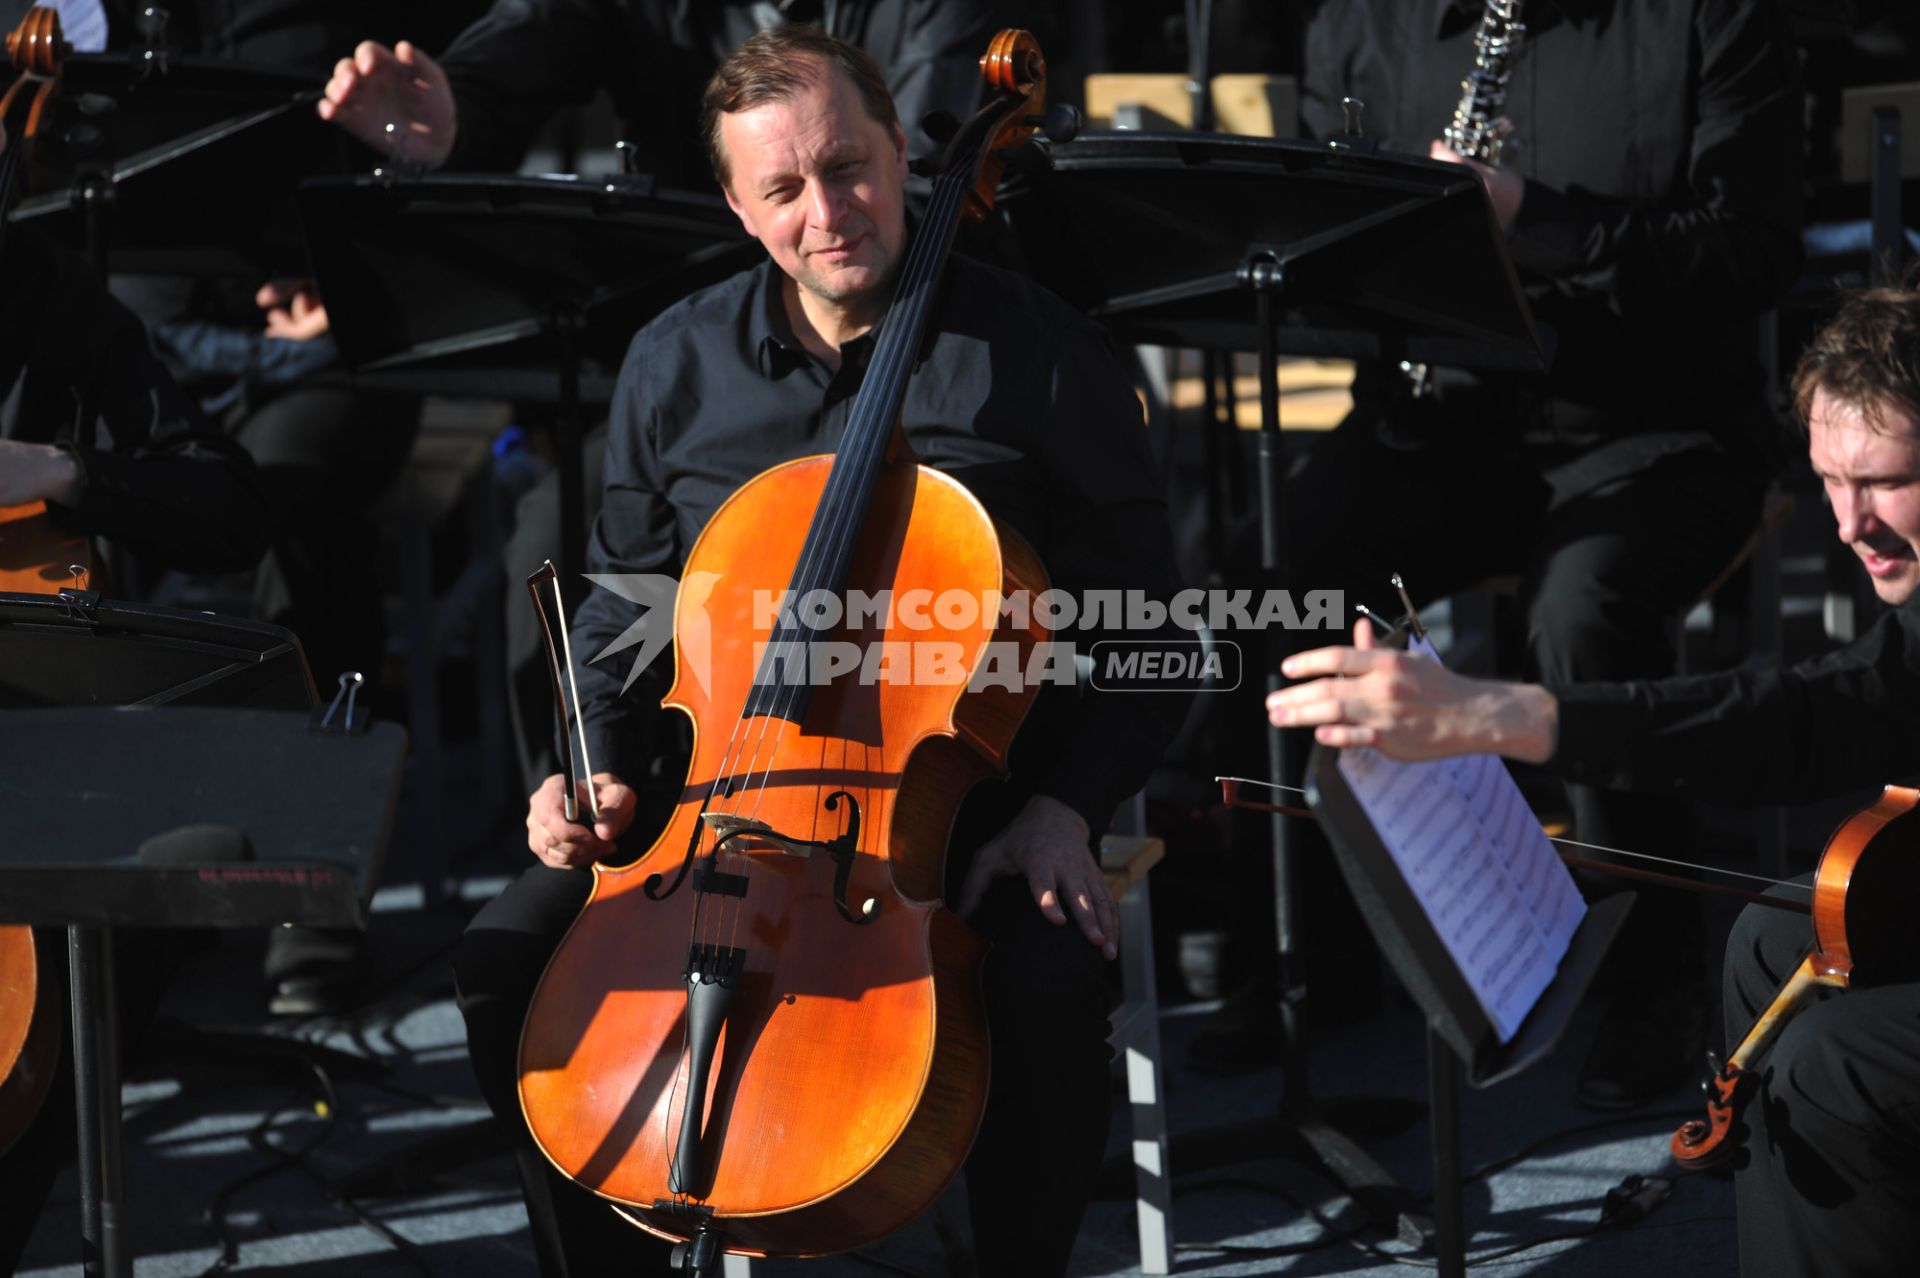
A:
(1868, 355)
(774, 66)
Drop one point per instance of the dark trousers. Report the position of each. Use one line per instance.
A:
(1607, 563)
(1032, 1168)
(1828, 1184)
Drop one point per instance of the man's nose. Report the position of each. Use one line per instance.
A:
(825, 204)
(1852, 512)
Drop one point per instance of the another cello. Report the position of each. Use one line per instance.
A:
(766, 1033)
(1865, 891)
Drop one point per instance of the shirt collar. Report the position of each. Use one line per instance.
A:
(770, 334)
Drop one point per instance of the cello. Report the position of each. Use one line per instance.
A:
(35, 558)
(766, 1034)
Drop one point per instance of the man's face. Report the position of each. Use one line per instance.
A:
(818, 182)
(1871, 470)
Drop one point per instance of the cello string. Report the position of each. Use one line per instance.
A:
(1591, 847)
(839, 530)
(865, 453)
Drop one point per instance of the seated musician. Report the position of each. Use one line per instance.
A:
(484, 102)
(1019, 398)
(94, 427)
(1831, 1181)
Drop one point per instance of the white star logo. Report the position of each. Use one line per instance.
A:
(655, 627)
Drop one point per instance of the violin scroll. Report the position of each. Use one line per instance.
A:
(1701, 1143)
(1016, 71)
(38, 46)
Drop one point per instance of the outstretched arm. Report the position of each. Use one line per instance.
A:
(1410, 707)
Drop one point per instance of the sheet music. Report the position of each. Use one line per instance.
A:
(1475, 856)
(83, 23)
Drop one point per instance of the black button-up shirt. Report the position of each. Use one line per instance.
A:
(1661, 145)
(1830, 726)
(1015, 395)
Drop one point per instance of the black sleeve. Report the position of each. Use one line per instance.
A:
(1108, 534)
(1728, 244)
(632, 554)
(158, 480)
(1815, 730)
(520, 65)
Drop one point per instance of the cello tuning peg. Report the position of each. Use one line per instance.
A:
(1061, 123)
(941, 126)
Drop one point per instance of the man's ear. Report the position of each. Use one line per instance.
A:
(739, 209)
(900, 148)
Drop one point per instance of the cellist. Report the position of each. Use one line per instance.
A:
(1023, 401)
(1831, 1176)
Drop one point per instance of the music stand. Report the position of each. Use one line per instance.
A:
(217, 729)
(527, 288)
(1458, 1029)
(134, 151)
(1270, 246)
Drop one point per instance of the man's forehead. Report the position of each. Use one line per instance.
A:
(1839, 427)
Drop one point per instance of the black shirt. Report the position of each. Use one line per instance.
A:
(1015, 395)
(1822, 728)
(1661, 145)
(527, 59)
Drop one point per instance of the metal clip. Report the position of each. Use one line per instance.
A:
(350, 681)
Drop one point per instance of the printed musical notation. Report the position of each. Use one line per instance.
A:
(1473, 853)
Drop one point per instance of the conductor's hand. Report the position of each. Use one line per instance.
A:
(1047, 844)
(1409, 706)
(1506, 189)
(566, 844)
(401, 87)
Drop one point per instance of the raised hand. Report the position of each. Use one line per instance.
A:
(395, 100)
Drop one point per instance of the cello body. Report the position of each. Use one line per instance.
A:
(851, 1073)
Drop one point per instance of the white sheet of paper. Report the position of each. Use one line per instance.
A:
(1477, 860)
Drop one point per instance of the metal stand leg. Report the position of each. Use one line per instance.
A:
(1443, 1085)
(1146, 1092)
(96, 1086)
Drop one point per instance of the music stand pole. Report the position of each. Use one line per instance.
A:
(1359, 1175)
(96, 1085)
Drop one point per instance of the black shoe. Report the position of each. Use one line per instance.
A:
(1652, 1039)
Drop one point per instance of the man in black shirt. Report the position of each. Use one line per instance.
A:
(485, 101)
(1833, 1174)
(1650, 192)
(1023, 401)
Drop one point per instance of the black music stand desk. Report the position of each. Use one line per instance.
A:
(138, 165)
(526, 288)
(1224, 243)
(85, 787)
(1458, 1029)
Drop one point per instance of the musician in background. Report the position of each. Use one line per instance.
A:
(1831, 1181)
(1650, 195)
(1019, 398)
(483, 103)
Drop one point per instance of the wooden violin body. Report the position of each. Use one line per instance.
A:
(1865, 892)
(851, 1072)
